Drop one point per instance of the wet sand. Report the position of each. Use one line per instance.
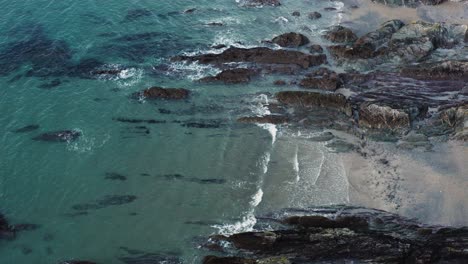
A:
(368, 16)
(430, 186)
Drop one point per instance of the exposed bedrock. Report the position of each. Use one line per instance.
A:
(339, 234)
(340, 34)
(323, 79)
(258, 55)
(232, 76)
(315, 99)
(162, 93)
(290, 40)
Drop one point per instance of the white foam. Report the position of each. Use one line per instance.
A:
(296, 164)
(192, 70)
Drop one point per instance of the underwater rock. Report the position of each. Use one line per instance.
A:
(296, 13)
(106, 201)
(232, 76)
(204, 124)
(409, 3)
(323, 79)
(135, 14)
(59, 136)
(134, 256)
(258, 55)
(268, 119)
(336, 234)
(77, 262)
(340, 34)
(6, 231)
(162, 93)
(314, 15)
(27, 128)
(54, 83)
(279, 82)
(290, 40)
(115, 176)
(138, 121)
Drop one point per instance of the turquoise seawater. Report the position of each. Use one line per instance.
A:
(182, 182)
(188, 182)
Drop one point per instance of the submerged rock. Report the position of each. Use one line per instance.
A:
(409, 3)
(232, 76)
(258, 3)
(314, 15)
(291, 40)
(268, 119)
(115, 176)
(27, 128)
(106, 201)
(258, 55)
(162, 93)
(59, 136)
(77, 262)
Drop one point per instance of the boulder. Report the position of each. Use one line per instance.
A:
(373, 115)
(323, 79)
(291, 40)
(296, 13)
(232, 76)
(162, 93)
(340, 34)
(316, 48)
(258, 55)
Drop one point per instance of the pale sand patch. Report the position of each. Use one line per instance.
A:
(370, 15)
(431, 186)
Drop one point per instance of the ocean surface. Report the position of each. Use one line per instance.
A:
(190, 173)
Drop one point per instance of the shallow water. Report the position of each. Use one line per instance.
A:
(189, 182)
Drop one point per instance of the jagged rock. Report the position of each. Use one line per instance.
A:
(314, 15)
(456, 118)
(232, 76)
(447, 70)
(338, 234)
(381, 116)
(340, 34)
(271, 119)
(162, 93)
(59, 136)
(313, 99)
(291, 40)
(323, 79)
(258, 55)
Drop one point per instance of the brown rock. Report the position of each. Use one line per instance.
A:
(316, 48)
(323, 79)
(291, 40)
(311, 99)
(340, 34)
(258, 55)
(227, 260)
(377, 116)
(162, 93)
(447, 70)
(279, 82)
(232, 76)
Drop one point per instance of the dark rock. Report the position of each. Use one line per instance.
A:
(314, 15)
(190, 11)
(227, 260)
(279, 82)
(115, 176)
(340, 34)
(258, 55)
(59, 136)
(313, 99)
(26, 250)
(296, 13)
(316, 49)
(215, 24)
(409, 3)
(233, 76)
(323, 79)
(162, 93)
(219, 46)
(291, 40)
(207, 181)
(446, 70)
(27, 128)
(133, 256)
(6, 231)
(106, 201)
(24, 227)
(268, 119)
(330, 9)
(205, 124)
